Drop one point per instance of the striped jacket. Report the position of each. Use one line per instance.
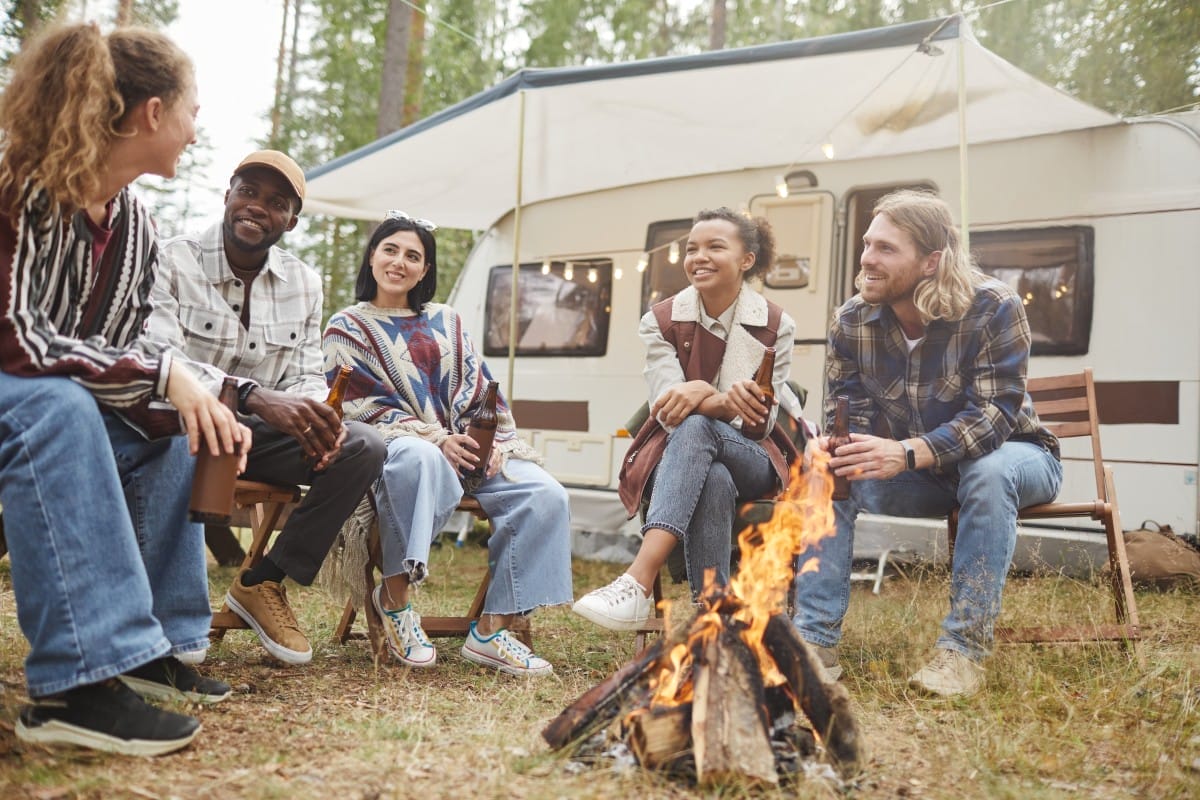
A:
(65, 315)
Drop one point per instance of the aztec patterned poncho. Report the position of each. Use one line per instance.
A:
(414, 374)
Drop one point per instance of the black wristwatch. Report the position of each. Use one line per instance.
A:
(244, 394)
(910, 455)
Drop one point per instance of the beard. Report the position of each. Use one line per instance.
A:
(230, 231)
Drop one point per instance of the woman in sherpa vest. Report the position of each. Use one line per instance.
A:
(703, 347)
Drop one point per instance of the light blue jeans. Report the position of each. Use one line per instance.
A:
(989, 490)
(529, 552)
(707, 466)
(107, 570)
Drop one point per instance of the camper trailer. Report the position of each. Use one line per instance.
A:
(1094, 220)
(1095, 228)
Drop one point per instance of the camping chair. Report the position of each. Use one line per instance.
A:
(266, 504)
(1066, 405)
(433, 626)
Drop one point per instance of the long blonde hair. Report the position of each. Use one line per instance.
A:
(949, 292)
(70, 91)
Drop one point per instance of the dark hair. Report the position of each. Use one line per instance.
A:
(755, 233)
(366, 287)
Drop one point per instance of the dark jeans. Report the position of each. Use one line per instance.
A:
(332, 496)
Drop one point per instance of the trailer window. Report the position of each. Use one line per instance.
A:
(663, 276)
(1051, 269)
(563, 308)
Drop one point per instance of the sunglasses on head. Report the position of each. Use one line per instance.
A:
(420, 223)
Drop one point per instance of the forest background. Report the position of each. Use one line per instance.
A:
(351, 71)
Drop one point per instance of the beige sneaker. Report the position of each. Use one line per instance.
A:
(265, 609)
(831, 671)
(949, 674)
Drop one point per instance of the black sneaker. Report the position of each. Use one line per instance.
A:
(106, 716)
(170, 680)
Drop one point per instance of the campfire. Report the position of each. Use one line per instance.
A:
(720, 695)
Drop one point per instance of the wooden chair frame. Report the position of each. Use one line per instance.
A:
(1066, 405)
(435, 627)
(266, 503)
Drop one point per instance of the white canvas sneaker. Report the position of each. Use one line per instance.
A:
(620, 606)
(406, 640)
(504, 652)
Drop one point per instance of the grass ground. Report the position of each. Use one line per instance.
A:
(1053, 722)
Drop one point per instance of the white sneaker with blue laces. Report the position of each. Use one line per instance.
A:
(504, 652)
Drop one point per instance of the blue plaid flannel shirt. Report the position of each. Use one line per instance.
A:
(962, 389)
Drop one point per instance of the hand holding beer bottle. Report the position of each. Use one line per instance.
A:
(764, 378)
(483, 431)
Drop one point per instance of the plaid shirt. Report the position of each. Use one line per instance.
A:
(962, 389)
(197, 299)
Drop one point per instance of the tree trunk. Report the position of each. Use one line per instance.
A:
(280, 71)
(393, 77)
(716, 30)
(415, 73)
(124, 13)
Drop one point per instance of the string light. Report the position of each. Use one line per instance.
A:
(592, 275)
(546, 267)
(827, 150)
(673, 252)
(568, 272)
(643, 262)
(618, 273)
(781, 187)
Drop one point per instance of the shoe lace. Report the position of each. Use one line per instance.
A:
(944, 661)
(408, 627)
(618, 591)
(512, 648)
(275, 597)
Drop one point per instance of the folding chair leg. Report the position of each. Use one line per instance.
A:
(1122, 582)
(656, 624)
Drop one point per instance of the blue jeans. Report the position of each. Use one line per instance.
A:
(529, 552)
(989, 491)
(706, 467)
(107, 571)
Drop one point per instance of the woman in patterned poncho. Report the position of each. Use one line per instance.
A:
(418, 377)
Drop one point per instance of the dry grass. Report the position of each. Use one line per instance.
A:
(1053, 722)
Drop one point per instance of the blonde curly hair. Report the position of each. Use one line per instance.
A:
(925, 217)
(70, 92)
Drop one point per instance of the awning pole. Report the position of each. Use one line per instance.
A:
(963, 183)
(516, 259)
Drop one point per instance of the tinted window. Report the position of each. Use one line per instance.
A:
(563, 309)
(663, 276)
(1051, 269)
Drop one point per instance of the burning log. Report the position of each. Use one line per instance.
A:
(600, 704)
(729, 718)
(660, 736)
(827, 706)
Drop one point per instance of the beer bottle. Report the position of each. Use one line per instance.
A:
(483, 430)
(839, 436)
(337, 392)
(213, 483)
(766, 384)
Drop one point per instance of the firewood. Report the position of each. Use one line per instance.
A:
(827, 705)
(660, 736)
(729, 718)
(598, 705)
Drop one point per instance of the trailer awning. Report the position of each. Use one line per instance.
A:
(855, 95)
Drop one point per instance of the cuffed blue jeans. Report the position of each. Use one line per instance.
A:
(707, 466)
(989, 491)
(529, 551)
(107, 570)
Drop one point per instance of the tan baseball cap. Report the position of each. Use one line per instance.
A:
(281, 163)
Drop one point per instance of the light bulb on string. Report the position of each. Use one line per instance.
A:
(781, 187)
(546, 267)
(568, 272)
(673, 252)
(827, 150)
(643, 262)
(592, 275)
(618, 273)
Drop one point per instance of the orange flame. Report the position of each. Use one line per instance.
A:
(802, 515)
